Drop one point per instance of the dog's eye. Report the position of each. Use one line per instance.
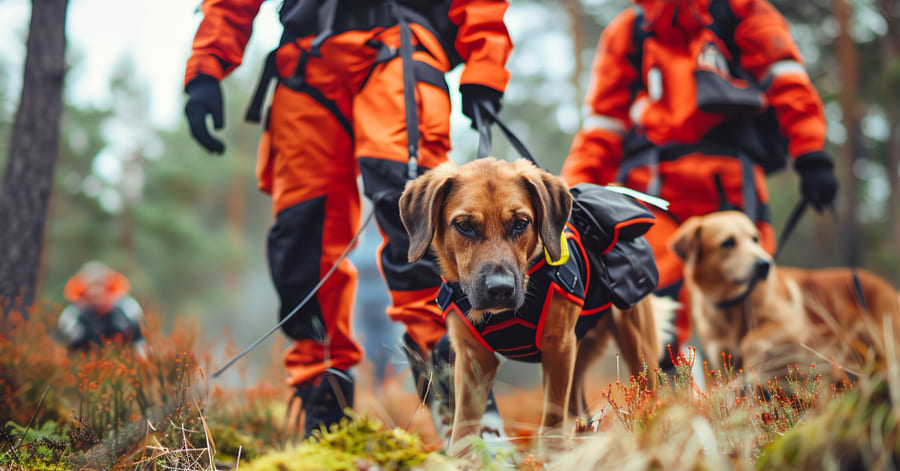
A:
(755, 239)
(464, 227)
(520, 225)
(729, 243)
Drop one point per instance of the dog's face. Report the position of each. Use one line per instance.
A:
(485, 221)
(722, 254)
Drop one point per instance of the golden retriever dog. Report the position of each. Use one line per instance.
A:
(766, 317)
(489, 222)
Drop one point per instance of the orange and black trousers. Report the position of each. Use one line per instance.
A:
(336, 115)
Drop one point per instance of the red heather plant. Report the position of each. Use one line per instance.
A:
(681, 425)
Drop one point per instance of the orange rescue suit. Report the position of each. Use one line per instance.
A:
(336, 114)
(659, 104)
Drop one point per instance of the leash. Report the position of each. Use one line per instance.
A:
(791, 224)
(484, 135)
(302, 303)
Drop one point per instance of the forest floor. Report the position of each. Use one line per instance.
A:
(112, 410)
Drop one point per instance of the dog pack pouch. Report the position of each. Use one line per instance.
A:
(612, 226)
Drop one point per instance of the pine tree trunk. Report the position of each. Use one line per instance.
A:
(890, 61)
(848, 60)
(575, 13)
(33, 149)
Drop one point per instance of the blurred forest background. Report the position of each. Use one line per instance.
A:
(189, 229)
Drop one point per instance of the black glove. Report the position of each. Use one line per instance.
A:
(482, 96)
(817, 181)
(205, 98)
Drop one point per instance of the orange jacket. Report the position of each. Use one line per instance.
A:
(482, 39)
(665, 109)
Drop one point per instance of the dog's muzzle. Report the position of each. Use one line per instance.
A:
(761, 268)
(496, 287)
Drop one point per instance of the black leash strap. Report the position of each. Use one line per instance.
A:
(302, 303)
(851, 261)
(484, 134)
(791, 224)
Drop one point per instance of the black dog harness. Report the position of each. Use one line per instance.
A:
(517, 334)
(609, 263)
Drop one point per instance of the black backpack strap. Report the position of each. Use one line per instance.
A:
(268, 75)
(723, 25)
(636, 56)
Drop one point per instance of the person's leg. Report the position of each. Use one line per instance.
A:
(313, 184)
(382, 154)
(381, 150)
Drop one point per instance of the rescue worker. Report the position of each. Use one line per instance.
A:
(347, 104)
(101, 310)
(692, 100)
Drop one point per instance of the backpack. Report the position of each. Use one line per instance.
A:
(760, 133)
(304, 17)
(612, 226)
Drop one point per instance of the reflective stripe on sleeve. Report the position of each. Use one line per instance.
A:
(637, 109)
(599, 121)
(781, 68)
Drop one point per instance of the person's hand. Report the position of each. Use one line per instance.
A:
(474, 95)
(817, 181)
(205, 98)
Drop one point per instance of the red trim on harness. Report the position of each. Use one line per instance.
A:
(512, 349)
(604, 307)
(626, 224)
(587, 266)
(453, 307)
(546, 307)
(520, 355)
(537, 265)
(507, 323)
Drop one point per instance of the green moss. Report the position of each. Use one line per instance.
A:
(358, 442)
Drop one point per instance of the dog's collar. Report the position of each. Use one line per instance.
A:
(741, 297)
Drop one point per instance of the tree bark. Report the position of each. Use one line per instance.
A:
(575, 13)
(848, 61)
(33, 150)
(890, 61)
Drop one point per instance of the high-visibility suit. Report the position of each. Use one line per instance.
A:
(645, 127)
(100, 310)
(338, 112)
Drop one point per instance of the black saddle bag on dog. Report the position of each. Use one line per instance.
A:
(612, 226)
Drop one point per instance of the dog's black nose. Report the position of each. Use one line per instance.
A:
(761, 268)
(500, 287)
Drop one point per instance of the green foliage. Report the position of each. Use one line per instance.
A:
(360, 442)
(34, 449)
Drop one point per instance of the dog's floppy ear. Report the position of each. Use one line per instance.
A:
(552, 204)
(420, 208)
(685, 242)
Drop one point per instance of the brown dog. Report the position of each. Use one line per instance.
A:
(488, 222)
(766, 317)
